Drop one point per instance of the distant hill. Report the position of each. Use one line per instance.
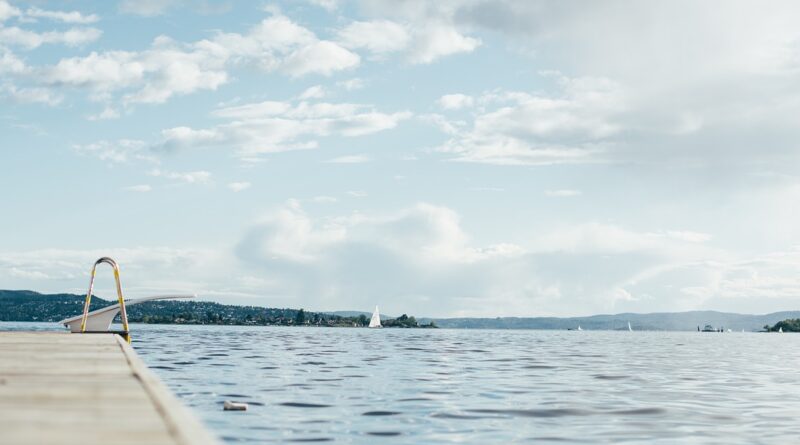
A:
(662, 321)
(357, 314)
(26, 305)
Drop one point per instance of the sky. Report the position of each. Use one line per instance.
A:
(449, 158)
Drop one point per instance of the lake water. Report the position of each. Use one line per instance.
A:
(475, 386)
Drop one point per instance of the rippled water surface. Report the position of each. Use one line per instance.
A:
(476, 386)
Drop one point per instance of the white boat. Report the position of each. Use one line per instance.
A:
(375, 321)
(780, 330)
(100, 319)
(579, 328)
(629, 327)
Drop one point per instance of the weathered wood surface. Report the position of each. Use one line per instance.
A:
(58, 388)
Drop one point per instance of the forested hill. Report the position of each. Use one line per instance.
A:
(24, 305)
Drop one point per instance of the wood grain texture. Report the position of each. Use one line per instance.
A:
(59, 388)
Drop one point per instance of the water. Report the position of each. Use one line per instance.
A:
(470, 386)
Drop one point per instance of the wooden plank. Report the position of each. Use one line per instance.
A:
(58, 388)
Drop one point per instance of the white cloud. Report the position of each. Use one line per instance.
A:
(722, 86)
(254, 110)
(726, 37)
(32, 95)
(61, 16)
(145, 271)
(7, 11)
(177, 72)
(315, 92)
(123, 150)
(378, 37)
(436, 40)
(10, 63)
(195, 177)
(30, 274)
(425, 232)
(239, 186)
(147, 8)
(688, 236)
(349, 159)
(322, 199)
(274, 35)
(421, 257)
(351, 84)
(563, 193)
(99, 71)
(445, 125)
(321, 57)
(357, 193)
(697, 94)
(771, 276)
(141, 188)
(272, 126)
(169, 68)
(456, 101)
(154, 75)
(537, 129)
(421, 31)
(329, 5)
(422, 41)
(30, 39)
(278, 44)
(107, 114)
(178, 137)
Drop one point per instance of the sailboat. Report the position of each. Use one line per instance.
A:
(579, 328)
(629, 327)
(375, 321)
(780, 330)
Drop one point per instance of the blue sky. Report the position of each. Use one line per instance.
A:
(453, 158)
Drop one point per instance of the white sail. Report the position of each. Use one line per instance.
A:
(629, 327)
(780, 330)
(375, 321)
(579, 328)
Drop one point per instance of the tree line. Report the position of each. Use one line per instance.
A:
(32, 306)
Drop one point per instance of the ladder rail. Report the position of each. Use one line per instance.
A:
(120, 298)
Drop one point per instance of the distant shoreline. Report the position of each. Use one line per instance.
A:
(25, 305)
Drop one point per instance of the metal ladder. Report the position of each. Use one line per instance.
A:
(124, 333)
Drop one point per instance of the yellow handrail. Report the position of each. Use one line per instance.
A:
(123, 313)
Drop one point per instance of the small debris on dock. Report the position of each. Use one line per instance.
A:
(234, 406)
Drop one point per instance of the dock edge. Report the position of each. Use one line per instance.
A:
(180, 421)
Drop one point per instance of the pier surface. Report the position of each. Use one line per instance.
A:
(59, 388)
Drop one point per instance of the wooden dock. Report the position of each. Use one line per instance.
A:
(59, 388)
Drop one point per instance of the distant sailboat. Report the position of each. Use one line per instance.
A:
(780, 330)
(375, 321)
(629, 327)
(579, 328)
